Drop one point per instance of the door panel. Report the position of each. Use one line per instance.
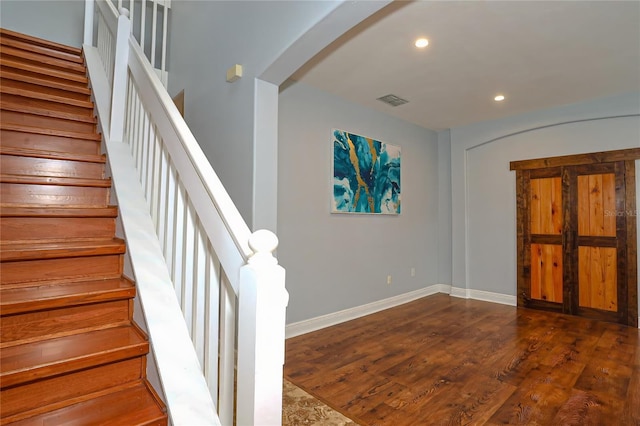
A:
(546, 272)
(546, 206)
(597, 280)
(597, 205)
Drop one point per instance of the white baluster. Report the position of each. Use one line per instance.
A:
(154, 24)
(88, 22)
(119, 96)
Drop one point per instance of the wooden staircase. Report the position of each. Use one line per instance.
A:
(70, 352)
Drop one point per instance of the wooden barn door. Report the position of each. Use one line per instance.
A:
(577, 235)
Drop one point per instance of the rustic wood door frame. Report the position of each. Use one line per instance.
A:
(568, 167)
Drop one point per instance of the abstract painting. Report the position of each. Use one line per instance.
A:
(366, 175)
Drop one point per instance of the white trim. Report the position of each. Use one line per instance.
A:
(487, 296)
(101, 91)
(459, 292)
(317, 323)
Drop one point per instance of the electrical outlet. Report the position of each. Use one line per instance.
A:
(388, 279)
(413, 272)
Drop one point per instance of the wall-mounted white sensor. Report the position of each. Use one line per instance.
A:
(234, 73)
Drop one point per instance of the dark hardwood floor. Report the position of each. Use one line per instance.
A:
(447, 361)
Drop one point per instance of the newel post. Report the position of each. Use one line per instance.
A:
(262, 303)
(120, 75)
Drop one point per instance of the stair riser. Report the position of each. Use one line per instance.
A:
(44, 104)
(11, 164)
(62, 294)
(43, 91)
(48, 142)
(35, 397)
(29, 47)
(49, 62)
(36, 41)
(47, 228)
(44, 122)
(33, 326)
(17, 193)
(17, 63)
(22, 273)
(43, 80)
(73, 365)
(30, 94)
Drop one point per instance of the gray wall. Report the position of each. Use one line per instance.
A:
(59, 21)
(444, 207)
(483, 187)
(340, 261)
(208, 37)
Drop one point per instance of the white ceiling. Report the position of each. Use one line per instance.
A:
(539, 54)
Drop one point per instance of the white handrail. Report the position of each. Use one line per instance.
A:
(185, 233)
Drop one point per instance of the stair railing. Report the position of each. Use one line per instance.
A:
(212, 293)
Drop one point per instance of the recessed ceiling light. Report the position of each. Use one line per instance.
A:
(499, 98)
(422, 42)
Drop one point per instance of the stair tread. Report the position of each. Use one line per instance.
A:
(55, 108)
(53, 155)
(55, 180)
(51, 132)
(5, 89)
(50, 357)
(51, 249)
(30, 72)
(50, 296)
(49, 61)
(30, 109)
(133, 405)
(57, 211)
(40, 81)
(14, 63)
(41, 42)
(25, 118)
(37, 48)
(15, 82)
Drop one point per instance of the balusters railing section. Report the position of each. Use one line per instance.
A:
(105, 45)
(201, 237)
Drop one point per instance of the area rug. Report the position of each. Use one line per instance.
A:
(300, 408)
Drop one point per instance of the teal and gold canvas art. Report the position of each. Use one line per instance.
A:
(366, 175)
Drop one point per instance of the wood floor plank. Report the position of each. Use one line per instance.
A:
(535, 401)
(443, 360)
(584, 408)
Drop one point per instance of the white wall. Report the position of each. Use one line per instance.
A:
(483, 187)
(341, 261)
(208, 37)
(54, 20)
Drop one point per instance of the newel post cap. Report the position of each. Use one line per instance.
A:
(263, 242)
(124, 11)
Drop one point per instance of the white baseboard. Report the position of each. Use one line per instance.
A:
(487, 296)
(317, 323)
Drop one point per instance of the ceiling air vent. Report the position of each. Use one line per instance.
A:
(393, 100)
